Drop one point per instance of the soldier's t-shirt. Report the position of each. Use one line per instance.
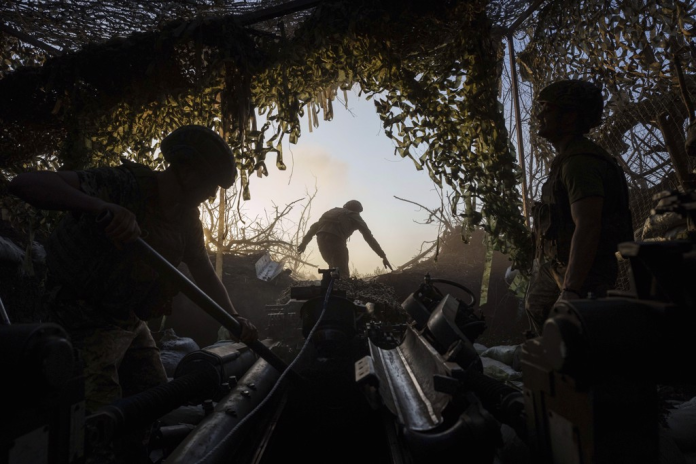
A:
(586, 170)
(342, 222)
(585, 175)
(90, 268)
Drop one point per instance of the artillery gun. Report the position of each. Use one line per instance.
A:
(591, 381)
(359, 389)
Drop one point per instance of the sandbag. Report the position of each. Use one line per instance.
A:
(682, 425)
(480, 348)
(499, 371)
(173, 348)
(507, 354)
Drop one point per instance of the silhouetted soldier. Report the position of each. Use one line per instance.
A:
(333, 230)
(102, 294)
(584, 212)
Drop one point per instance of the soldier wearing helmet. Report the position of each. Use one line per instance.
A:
(103, 294)
(333, 229)
(584, 212)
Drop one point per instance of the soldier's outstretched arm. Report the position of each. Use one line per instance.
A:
(313, 229)
(61, 191)
(371, 241)
(54, 191)
(387, 264)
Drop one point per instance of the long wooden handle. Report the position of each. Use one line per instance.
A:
(196, 295)
(206, 303)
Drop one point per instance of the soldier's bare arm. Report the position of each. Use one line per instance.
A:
(587, 216)
(54, 191)
(61, 191)
(207, 280)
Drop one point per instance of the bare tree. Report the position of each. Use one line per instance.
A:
(272, 231)
(298, 263)
(448, 225)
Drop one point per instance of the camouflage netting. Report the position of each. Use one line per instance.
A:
(636, 52)
(428, 68)
(86, 82)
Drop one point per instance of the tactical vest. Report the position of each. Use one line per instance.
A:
(555, 226)
(87, 266)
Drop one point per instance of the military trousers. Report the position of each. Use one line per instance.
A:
(546, 283)
(120, 357)
(334, 251)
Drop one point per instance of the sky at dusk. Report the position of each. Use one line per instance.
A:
(350, 158)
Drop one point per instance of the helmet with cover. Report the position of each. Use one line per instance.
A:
(354, 205)
(203, 148)
(575, 94)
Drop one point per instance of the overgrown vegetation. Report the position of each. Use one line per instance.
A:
(432, 69)
(243, 235)
(631, 48)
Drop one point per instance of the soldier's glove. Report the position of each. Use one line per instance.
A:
(301, 248)
(385, 261)
(568, 294)
(249, 332)
(119, 224)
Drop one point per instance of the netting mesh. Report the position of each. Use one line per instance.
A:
(633, 130)
(627, 46)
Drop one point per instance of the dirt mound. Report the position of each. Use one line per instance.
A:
(248, 293)
(464, 264)
(458, 263)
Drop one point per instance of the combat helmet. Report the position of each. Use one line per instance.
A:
(576, 94)
(354, 205)
(204, 147)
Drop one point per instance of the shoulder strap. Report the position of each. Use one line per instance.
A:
(147, 181)
(588, 147)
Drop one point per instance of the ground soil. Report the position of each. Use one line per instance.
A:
(463, 264)
(458, 262)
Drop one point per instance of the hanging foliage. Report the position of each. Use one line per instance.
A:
(436, 95)
(628, 48)
(433, 72)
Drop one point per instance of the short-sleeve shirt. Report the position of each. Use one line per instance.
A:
(83, 260)
(342, 222)
(585, 176)
(589, 171)
(586, 170)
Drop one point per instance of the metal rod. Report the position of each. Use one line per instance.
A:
(29, 39)
(518, 126)
(522, 18)
(3, 314)
(206, 303)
